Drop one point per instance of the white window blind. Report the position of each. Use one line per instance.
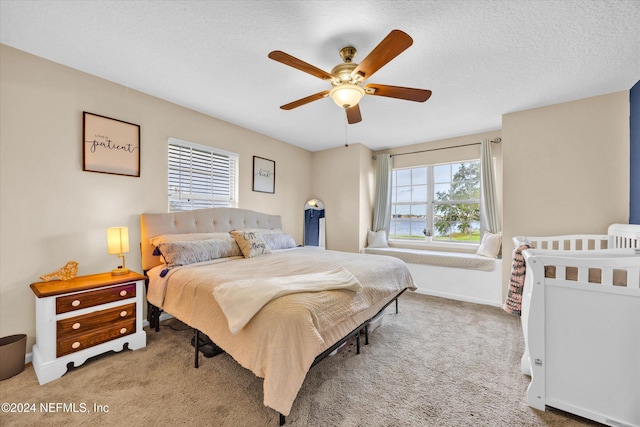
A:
(201, 176)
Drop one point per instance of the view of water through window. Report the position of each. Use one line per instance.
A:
(441, 202)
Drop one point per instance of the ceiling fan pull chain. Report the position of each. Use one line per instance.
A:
(346, 133)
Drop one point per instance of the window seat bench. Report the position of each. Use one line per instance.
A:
(437, 258)
(454, 275)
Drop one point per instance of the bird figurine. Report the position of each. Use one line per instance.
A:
(69, 271)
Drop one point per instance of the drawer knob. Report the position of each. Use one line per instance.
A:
(123, 313)
(76, 325)
(123, 330)
(75, 303)
(123, 293)
(75, 344)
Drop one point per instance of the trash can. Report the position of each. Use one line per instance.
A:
(12, 351)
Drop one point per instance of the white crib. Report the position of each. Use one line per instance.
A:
(582, 339)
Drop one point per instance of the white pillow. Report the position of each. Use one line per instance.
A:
(377, 239)
(490, 245)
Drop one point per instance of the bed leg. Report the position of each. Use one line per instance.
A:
(282, 419)
(358, 343)
(150, 314)
(155, 317)
(366, 334)
(197, 346)
(396, 305)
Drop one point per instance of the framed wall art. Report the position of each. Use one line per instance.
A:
(264, 175)
(110, 145)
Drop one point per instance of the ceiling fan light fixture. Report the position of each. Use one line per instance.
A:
(346, 95)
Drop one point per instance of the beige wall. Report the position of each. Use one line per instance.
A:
(450, 150)
(367, 193)
(52, 212)
(446, 151)
(560, 169)
(342, 179)
(566, 168)
(571, 160)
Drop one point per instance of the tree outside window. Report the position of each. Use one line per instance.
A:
(457, 203)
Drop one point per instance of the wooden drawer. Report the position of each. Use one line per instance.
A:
(74, 343)
(82, 300)
(88, 322)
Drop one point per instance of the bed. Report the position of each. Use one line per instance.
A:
(581, 323)
(287, 336)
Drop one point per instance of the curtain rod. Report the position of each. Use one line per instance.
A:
(495, 141)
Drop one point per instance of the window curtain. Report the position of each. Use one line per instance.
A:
(488, 196)
(382, 208)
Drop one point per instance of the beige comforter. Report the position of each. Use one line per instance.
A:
(282, 340)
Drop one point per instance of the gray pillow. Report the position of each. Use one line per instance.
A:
(184, 253)
(377, 239)
(278, 241)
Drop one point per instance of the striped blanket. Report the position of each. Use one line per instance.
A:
(513, 302)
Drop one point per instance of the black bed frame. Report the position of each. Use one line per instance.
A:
(153, 316)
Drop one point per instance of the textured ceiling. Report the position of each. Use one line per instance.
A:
(481, 59)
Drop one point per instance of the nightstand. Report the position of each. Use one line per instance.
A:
(80, 318)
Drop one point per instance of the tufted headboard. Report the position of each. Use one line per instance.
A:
(211, 220)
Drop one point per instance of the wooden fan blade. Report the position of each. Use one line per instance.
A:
(353, 114)
(393, 45)
(306, 100)
(294, 62)
(407, 93)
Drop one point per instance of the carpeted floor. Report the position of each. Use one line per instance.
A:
(436, 363)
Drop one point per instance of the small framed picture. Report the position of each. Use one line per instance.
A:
(110, 145)
(264, 175)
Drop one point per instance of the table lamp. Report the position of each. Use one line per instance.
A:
(118, 243)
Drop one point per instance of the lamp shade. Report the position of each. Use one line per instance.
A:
(118, 240)
(347, 95)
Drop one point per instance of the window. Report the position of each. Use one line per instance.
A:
(442, 201)
(201, 177)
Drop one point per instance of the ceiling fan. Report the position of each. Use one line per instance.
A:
(347, 78)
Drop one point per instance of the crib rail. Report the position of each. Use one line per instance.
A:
(571, 242)
(616, 267)
(619, 236)
(625, 235)
(626, 241)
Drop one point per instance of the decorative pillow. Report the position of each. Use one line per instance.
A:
(184, 253)
(490, 245)
(277, 241)
(251, 243)
(377, 239)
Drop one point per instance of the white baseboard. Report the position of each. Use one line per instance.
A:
(457, 297)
